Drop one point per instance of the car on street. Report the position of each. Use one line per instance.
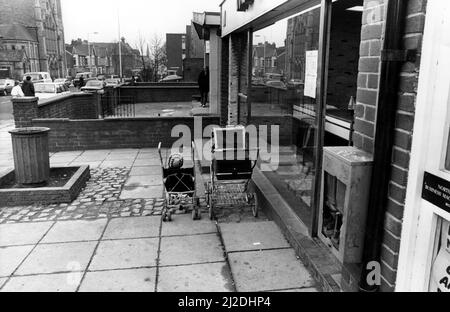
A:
(87, 76)
(112, 82)
(276, 84)
(38, 77)
(172, 78)
(6, 86)
(94, 86)
(64, 81)
(49, 90)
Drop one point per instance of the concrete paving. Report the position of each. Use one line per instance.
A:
(146, 254)
(110, 250)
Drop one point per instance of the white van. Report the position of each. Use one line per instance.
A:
(37, 77)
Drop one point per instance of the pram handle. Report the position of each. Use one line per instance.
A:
(160, 156)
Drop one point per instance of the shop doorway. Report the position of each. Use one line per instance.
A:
(424, 261)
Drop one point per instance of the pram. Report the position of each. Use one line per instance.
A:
(231, 170)
(179, 189)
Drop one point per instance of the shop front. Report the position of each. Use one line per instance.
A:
(295, 65)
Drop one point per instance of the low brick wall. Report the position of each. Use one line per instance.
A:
(110, 133)
(160, 93)
(72, 106)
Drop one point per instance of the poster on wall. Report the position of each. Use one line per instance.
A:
(311, 66)
(440, 271)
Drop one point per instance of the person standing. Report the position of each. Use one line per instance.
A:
(81, 82)
(17, 91)
(203, 84)
(28, 87)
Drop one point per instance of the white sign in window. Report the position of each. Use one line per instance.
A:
(311, 67)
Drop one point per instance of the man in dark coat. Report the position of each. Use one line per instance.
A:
(203, 84)
(28, 87)
(81, 82)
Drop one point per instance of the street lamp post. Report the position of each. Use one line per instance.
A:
(89, 50)
(264, 62)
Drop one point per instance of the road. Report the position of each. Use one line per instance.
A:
(6, 110)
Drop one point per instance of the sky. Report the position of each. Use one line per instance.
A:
(145, 17)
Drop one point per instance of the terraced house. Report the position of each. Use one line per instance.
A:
(35, 28)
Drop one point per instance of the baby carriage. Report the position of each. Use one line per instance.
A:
(179, 186)
(231, 171)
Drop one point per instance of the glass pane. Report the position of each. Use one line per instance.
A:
(285, 59)
(284, 86)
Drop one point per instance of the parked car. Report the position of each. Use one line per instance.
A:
(6, 86)
(49, 90)
(172, 78)
(94, 86)
(101, 77)
(64, 81)
(112, 82)
(87, 76)
(276, 84)
(38, 77)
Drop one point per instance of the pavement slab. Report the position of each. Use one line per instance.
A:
(269, 270)
(211, 277)
(22, 233)
(133, 227)
(195, 249)
(73, 231)
(134, 280)
(125, 254)
(145, 191)
(252, 236)
(63, 282)
(57, 258)
(144, 180)
(11, 257)
(145, 171)
(184, 225)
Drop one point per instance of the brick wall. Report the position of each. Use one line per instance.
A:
(368, 85)
(68, 135)
(73, 106)
(152, 94)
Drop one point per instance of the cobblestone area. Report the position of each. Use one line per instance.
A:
(99, 199)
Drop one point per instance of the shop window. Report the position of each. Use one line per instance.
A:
(447, 160)
(440, 271)
(284, 93)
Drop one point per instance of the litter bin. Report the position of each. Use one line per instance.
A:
(31, 156)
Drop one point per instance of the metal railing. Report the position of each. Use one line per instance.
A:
(118, 106)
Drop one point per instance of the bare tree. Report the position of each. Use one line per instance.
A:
(158, 54)
(141, 44)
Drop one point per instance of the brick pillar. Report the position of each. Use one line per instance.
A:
(25, 110)
(233, 80)
(372, 35)
(224, 81)
(237, 72)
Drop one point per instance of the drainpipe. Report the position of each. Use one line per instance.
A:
(391, 61)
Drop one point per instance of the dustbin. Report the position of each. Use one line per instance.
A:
(31, 155)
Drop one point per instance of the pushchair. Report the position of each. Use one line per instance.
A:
(179, 187)
(231, 171)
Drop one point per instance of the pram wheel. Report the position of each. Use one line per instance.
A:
(255, 206)
(196, 214)
(211, 210)
(167, 216)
